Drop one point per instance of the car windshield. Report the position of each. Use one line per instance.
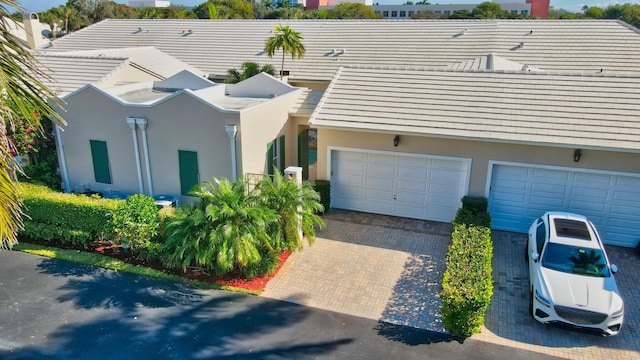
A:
(575, 260)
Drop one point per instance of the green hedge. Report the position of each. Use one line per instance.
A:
(323, 187)
(69, 218)
(467, 284)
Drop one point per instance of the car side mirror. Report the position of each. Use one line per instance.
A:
(614, 268)
(535, 256)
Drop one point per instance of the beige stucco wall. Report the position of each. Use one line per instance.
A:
(263, 124)
(180, 123)
(481, 153)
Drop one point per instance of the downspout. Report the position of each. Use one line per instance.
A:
(132, 123)
(232, 130)
(63, 161)
(143, 126)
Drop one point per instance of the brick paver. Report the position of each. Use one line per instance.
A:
(390, 269)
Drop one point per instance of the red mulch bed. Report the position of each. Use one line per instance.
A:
(192, 273)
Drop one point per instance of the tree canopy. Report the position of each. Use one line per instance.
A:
(22, 103)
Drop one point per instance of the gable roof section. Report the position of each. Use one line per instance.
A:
(557, 109)
(216, 46)
(69, 73)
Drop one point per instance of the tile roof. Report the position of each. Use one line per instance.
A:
(216, 46)
(306, 103)
(545, 108)
(69, 73)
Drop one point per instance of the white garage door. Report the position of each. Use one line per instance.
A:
(418, 187)
(519, 194)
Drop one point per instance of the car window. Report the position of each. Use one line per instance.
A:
(541, 236)
(575, 260)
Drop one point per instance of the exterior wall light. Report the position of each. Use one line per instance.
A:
(396, 140)
(577, 154)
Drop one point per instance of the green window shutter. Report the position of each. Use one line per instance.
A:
(189, 175)
(100, 158)
(303, 153)
(281, 162)
(270, 158)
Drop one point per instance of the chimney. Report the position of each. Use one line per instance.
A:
(33, 30)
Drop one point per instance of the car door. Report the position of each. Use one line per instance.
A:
(537, 240)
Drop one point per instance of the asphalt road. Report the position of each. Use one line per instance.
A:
(52, 309)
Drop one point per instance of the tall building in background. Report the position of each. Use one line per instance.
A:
(537, 8)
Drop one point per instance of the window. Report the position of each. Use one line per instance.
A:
(394, 13)
(514, 11)
(541, 236)
(447, 12)
(525, 12)
(385, 14)
(410, 13)
(438, 12)
(100, 158)
(403, 13)
(189, 175)
(275, 155)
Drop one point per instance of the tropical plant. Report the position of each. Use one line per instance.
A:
(297, 208)
(136, 221)
(224, 231)
(287, 40)
(23, 97)
(247, 70)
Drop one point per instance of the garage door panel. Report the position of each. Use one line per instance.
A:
(589, 193)
(442, 164)
(378, 195)
(594, 180)
(410, 212)
(417, 198)
(380, 170)
(373, 158)
(414, 186)
(590, 206)
(548, 188)
(546, 200)
(412, 173)
(378, 207)
(350, 179)
(354, 191)
(444, 176)
(550, 176)
(610, 201)
(379, 183)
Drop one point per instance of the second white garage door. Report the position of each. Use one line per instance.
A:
(521, 193)
(413, 186)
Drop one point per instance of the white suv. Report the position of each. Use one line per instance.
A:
(572, 282)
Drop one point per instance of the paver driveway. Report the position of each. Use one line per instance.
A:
(390, 269)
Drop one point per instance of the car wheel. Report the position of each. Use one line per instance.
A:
(526, 252)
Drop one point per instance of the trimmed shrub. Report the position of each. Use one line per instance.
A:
(323, 187)
(476, 204)
(136, 221)
(71, 219)
(467, 284)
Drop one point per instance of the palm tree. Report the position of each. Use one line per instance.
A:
(23, 100)
(288, 40)
(297, 208)
(249, 69)
(225, 231)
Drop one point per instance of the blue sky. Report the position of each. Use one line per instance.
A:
(571, 5)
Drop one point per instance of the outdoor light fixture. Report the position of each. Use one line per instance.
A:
(577, 154)
(396, 140)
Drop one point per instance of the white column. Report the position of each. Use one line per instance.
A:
(63, 161)
(294, 173)
(143, 126)
(232, 130)
(134, 132)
